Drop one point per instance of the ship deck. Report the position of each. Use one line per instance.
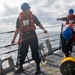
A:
(52, 66)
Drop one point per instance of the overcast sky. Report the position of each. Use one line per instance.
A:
(46, 10)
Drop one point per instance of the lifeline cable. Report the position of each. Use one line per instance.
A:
(7, 46)
(36, 28)
(7, 32)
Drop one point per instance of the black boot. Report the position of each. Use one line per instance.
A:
(38, 71)
(19, 70)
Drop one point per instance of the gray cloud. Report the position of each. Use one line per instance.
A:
(10, 10)
(46, 10)
(8, 16)
(8, 20)
(50, 10)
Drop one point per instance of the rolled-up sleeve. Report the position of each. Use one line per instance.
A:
(64, 19)
(36, 21)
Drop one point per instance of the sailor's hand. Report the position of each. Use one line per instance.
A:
(45, 31)
(58, 19)
(12, 42)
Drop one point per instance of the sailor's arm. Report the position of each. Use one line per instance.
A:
(15, 34)
(38, 23)
(62, 19)
(45, 31)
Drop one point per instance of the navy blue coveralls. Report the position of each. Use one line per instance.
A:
(32, 42)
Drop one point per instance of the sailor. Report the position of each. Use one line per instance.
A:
(66, 44)
(70, 17)
(26, 27)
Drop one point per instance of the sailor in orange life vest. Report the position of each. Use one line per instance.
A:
(68, 37)
(70, 19)
(25, 25)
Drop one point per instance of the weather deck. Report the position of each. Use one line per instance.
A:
(52, 67)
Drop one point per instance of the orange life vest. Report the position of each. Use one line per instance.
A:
(72, 26)
(70, 19)
(26, 22)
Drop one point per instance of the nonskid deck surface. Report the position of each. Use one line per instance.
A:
(51, 68)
